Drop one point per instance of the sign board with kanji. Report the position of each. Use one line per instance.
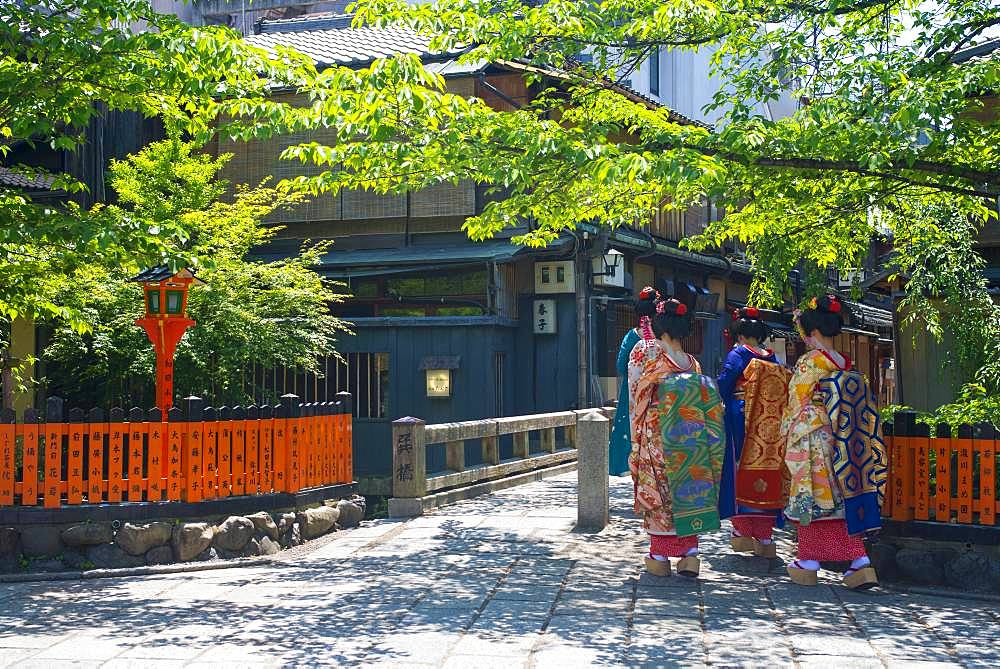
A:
(544, 316)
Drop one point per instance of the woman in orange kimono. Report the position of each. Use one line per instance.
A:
(834, 453)
(677, 443)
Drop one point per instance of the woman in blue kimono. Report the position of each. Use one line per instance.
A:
(752, 526)
(621, 433)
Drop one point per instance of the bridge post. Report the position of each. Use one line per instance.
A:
(409, 468)
(592, 434)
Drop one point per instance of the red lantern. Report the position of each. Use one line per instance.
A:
(165, 294)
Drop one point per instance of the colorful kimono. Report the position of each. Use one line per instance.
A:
(677, 448)
(830, 463)
(754, 479)
(621, 432)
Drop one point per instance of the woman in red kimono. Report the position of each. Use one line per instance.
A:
(677, 443)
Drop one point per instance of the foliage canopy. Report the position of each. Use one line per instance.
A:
(251, 314)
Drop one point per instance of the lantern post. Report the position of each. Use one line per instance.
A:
(165, 294)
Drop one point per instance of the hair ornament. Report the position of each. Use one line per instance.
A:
(681, 308)
(812, 303)
(834, 307)
(661, 307)
(752, 312)
(648, 293)
(736, 314)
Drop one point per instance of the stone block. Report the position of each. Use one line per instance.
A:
(405, 507)
(41, 540)
(112, 556)
(88, 534)
(160, 555)
(269, 546)
(46, 566)
(233, 533)
(191, 539)
(10, 541)
(251, 549)
(923, 566)
(264, 524)
(137, 539)
(350, 514)
(970, 571)
(883, 557)
(317, 522)
(75, 559)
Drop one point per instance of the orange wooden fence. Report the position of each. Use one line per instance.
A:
(198, 454)
(950, 478)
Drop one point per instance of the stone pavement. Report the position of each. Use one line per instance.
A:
(498, 581)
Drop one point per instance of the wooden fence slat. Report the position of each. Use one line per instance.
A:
(890, 493)
(224, 448)
(348, 448)
(194, 461)
(293, 433)
(985, 446)
(137, 431)
(902, 472)
(280, 465)
(921, 464)
(239, 455)
(74, 462)
(942, 492)
(252, 431)
(210, 439)
(116, 455)
(267, 440)
(175, 431)
(964, 448)
(52, 475)
(8, 441)
(155, 456)
(97, 430)
(29, 458)
(329, 446)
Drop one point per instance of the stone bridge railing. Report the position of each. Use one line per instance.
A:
(585, 438)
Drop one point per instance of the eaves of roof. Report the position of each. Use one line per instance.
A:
(13, 179)
(978, 52)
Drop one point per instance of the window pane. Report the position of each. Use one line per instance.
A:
(460, 311)
(153, 299)
(175, 299)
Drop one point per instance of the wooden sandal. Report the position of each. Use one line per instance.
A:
(689, 566)
(657, 567)
(802, 576)
(861, 579)
(742, 544)
(769, 551)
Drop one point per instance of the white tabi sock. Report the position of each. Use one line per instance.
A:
(861, 563)
(691, 552)
(811, 565)
(660, 558)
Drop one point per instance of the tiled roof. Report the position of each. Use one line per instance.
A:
(13, 179)
(979, 52)
(329, 39)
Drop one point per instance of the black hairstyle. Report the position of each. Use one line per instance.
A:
(645, 304)
(827, 317)
(675, 319)
(747, 322)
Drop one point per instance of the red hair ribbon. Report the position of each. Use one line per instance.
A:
(834, 307)
(752, 312)
(647, 293)
(681, 309)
